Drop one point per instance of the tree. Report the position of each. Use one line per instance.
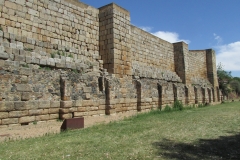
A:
(224, 78)
(227, 83)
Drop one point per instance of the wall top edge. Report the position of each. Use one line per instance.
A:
(80, 4)
(145, 32)
(115, 6)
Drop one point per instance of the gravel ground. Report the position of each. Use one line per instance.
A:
(42, 128)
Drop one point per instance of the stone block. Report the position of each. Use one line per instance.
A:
(42, 117)
(77, 103)
(55, 104)
(6, 106)
(32, 104)
(3, 115)
(23, 88)
(64, 110)
(9, 121)
(53, 116)
(17, 114)
(80, 114)
(65, 116)
(20, 106)
(25, 71)
(26, 96)
(87, 103)
(81, 109)
(53, 110)
(26, 119)
(44, 104)
(66, 104)
(4, 55)
(87, 89)
(34, 112)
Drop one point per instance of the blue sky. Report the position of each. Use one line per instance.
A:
(202, 24)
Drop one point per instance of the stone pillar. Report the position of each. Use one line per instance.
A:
(211, 67)
(209, 95)
(139, 95)
(175, 92)
(114, 40)
(196, 95)
(203, 95)
(160, 96)
(180, 52)
(186, 95)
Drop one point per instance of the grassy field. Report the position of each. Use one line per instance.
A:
(211, 132)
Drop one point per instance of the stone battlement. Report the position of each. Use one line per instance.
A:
(62, 58)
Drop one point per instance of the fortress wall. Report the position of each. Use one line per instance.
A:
(196, 67)
(152, 57)
(56, 25)
(61, 59)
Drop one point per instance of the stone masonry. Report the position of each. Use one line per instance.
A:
(62, 58)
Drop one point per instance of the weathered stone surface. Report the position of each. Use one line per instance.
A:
(66, 104)
(3, 115)
(44, 104)
(26, 119)
(66, 59)
(6, 106)
(55, 104)
(10, 121)
(19, 106)
(23, 88)
(17, 114)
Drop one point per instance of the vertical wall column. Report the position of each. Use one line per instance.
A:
(180, 51)
(211, 67)
(139, 95)
(186, 95)
(115, 45)
(160, 96)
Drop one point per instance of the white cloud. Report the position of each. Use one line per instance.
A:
(147, 29)
(217, 38)
(171, 37)
(229, 56)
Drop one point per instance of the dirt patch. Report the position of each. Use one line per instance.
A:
(38, 129)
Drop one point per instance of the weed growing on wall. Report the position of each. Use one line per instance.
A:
(178, 105)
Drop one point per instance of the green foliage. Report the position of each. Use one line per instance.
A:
(70, 55)
(177, 105)
(34, 122)
(74, 70)
(52, 55)
(189, 133)
(167, 108)
(28, 49)
(200, 105)
(1, 28)
(25, 65)
(227, 83)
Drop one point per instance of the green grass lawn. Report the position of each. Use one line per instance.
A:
(211, 132)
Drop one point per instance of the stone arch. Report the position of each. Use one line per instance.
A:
(107, 94)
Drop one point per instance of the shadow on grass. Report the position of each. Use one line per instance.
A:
(225, 147)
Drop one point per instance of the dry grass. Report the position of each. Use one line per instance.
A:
(204, 133)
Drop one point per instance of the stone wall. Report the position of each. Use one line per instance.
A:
(62, 58)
